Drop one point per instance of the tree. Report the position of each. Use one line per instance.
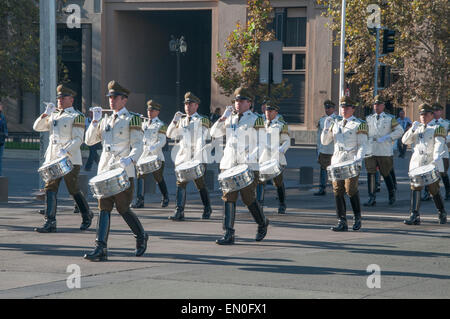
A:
(421, 56)
(19, 47)
(243, 49)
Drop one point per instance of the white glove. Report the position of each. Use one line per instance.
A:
(177, 116)
(50, 108)
(229, 109)
(62, 152)
(97, 113)
(125, 161)
(383, 139)
(327, 123)
(415, 126)
(152, 148)
(357, 158)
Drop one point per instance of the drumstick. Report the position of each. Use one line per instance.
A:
(103, 110)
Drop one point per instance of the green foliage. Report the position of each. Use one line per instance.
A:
(19, 47)
(422, 46)
(239, 65)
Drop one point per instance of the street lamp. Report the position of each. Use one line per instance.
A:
(178, 46)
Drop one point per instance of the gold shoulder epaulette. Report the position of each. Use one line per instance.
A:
(79, 121)
(394, 122)
(259, 123)
(440, 131)
(136, 122)
(363, 128)
(205, 122)
(163, 129)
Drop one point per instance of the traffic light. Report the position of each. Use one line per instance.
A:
(388, 41)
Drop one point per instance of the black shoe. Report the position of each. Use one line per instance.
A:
(165, 202)
(262, 230)
(414, 219)
(229, 216)
(341, 214)
(49, 214)
(139, 203)
(141, 245)
(371, 202)
(341, 226)
(321, 192)
(99, 254)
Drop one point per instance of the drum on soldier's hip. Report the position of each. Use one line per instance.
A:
(235, 178)
(109, 183)
(344, 170)
(55, 169)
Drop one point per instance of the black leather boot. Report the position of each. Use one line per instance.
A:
(140, 195)
(138, 230)
(204, 195)
(394, 178)
(49, 214)
(100, 252)
(356, 206)
(446, 182)
(260, 219)
(229, 216)
(439, 203)
(181, 201)
(86, 214)
(282, 198)
(260, 193)
(163, 188)
(426, 194)
(391, 188)
(414, 217)
(76, 209)
(341, 214)
(323, 183)
(372, 188)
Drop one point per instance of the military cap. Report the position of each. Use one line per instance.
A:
(378, 99)
(190, 97)
(152, 105)
(63, 90)
(328, 103)
(425, 108)
(242, 93)
(436, 106)
(114, 89)
(346, 101)
(272, 106)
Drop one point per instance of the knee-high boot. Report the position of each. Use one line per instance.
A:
(282, 199)
(439, 203)
(229, 216)
(140, 195)
(356, 206)
(163, 188)
(204, 195)
(138, 230)
(446, 182)
(49, 214)
(414, 217)
(86, 213)
(100, 252)
(341, 214)
(323, 183)
(260, 219)
(391, 188)
(371, 184)
(181, 201)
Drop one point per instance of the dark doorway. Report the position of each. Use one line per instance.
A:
(148, 66)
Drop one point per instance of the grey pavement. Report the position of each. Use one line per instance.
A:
(299, 258)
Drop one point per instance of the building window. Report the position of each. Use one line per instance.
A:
(290, 26)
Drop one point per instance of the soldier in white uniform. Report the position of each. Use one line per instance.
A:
(350, 143)
(121, 138)
(66, 127)
(383, 129)
(428, 143)
(325, 152)
(438, 120)
(275, 126)
(154, 140)
(192, 130)
(240, 125)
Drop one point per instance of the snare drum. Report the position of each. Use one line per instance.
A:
(344, 170)
(189, 171)
(109, 183)
(424, 175)
(269, 170)
(235, 178)
(148, 164)
(55, 169)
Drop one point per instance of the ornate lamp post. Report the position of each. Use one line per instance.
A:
(178, 46)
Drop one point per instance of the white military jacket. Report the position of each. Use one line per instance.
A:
(121, 137)
(66, 129)
(325, 149)
(275, 130)
(380, 126)
(446, 125)
(193, 135)
(241, 139)
(350, 140)
(428, 141)
(154, 134)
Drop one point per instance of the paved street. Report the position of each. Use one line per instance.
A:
(299, 258)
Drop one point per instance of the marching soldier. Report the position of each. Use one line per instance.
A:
(438, 120)
(383, 129)
(121, 136)
(325, 151)
(238, 126)
(274, 125)
(66, 127)
(192, 129)
(350, 143)
(428, 142)
(154, 140)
